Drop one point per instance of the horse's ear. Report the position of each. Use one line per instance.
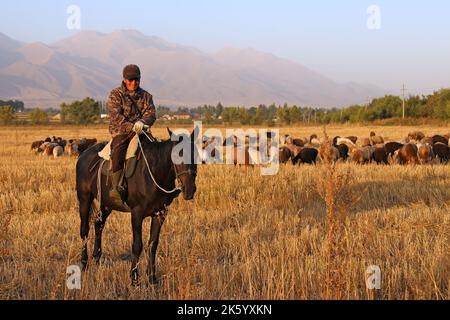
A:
(170, 132)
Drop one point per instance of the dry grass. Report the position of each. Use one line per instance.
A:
(244, 236)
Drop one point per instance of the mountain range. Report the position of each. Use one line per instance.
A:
(89, 63)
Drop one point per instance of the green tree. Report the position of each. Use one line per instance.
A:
(161, 111)
(81, 112)
(244, 117)
(38, 116)
(6, 114)
(209, 118)
(283, 115)
(439, 103)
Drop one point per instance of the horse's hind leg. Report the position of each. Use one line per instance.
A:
(85, 209)
(99, 226)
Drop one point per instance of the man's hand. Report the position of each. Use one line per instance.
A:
(138, 127)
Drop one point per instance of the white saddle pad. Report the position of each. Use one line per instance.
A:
(131, 151)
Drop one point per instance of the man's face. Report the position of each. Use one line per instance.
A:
(131, 84)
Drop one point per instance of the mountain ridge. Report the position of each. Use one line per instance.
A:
(89, 63)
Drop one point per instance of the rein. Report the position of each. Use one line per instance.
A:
(178, 175)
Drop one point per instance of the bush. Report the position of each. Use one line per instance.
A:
(38, 116)
(6, 114)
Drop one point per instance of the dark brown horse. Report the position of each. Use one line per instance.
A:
(151, 189)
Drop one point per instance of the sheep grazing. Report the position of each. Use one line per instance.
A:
(374, 139)
(343, 151)
(349, 143)
(391, 147)
(408, 154)
(416, 135)
(366, 142)
(36, 144)
(380, 155)
(314, 141)
(296, 142)
(48, 149)
(442, 152)
(295, 150)
(58, 151)
(425, 153)
(441, 139)
(427, 140)
(306, 155)
(363, 155)
(284, 155)
(331, 155)
(357, 156)
(353, 139)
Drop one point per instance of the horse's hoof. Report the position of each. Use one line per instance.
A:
(97, 260)
(134, 280)
(153, 280)
(135, 283)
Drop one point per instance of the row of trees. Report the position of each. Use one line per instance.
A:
(435, 106)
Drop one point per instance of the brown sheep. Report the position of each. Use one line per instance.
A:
(427, 140)
(48, 150)
(295, 150)
(363, 155)
(329, 156)
(374, 139)
(416, 135)
(366, 142)
(425, 153)
(284, 155)
(380, 156)
(36, 144)
(408, 154)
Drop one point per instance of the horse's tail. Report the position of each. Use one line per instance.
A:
(87, 162)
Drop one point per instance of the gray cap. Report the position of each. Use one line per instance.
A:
(131, 71)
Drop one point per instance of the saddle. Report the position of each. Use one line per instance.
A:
(130, 158)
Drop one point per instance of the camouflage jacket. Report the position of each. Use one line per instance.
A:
(125, 109)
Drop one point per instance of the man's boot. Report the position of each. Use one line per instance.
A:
(118, 192)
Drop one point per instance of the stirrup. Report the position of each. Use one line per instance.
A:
(118, 195)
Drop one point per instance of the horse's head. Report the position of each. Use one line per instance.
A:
(185, 164)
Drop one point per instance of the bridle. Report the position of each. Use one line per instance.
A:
(188, 171)
(178, 175)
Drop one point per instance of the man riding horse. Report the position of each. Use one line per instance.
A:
(130, 109)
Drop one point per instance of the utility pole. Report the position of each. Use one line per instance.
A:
(403, 90)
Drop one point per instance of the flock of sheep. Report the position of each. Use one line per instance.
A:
(416, 148)
(57, 147)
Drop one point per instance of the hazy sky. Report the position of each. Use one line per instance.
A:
(331, 37)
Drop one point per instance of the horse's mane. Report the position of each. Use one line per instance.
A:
(156, 149)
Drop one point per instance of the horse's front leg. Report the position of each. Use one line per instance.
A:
(153, 241)
(136, 223)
